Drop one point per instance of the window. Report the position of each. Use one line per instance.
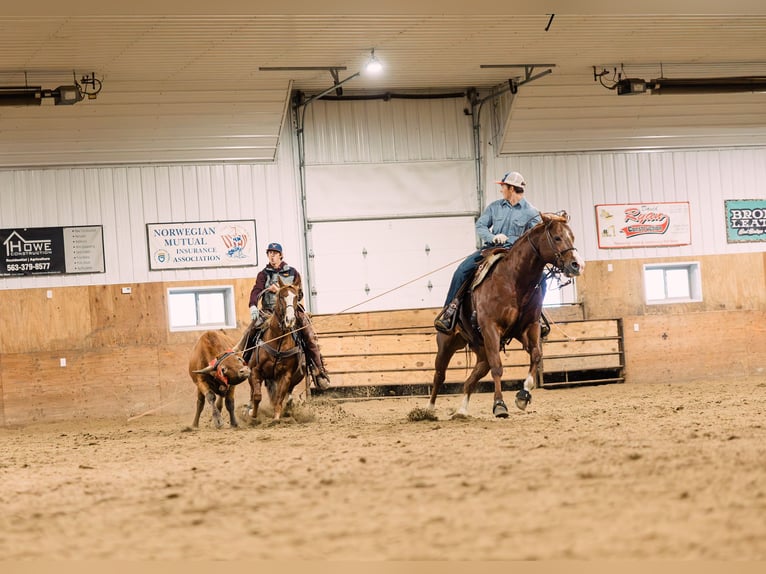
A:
(196, 308)
(560, 291)
(672, 283)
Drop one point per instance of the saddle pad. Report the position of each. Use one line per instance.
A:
(485, 267)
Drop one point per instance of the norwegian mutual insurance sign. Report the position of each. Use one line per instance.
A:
(51, 250)
(745, 220)
(201, 244)
(643, 225)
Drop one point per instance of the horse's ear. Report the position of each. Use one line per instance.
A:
(546, 217)
(281, 283)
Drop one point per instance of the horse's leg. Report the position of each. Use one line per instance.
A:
(447, 346)
(481, 369)
(280, 394)
(524, 397)
(255, 382)
(229, 401)
(492, 351)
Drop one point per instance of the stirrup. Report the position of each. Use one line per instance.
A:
(445, 326)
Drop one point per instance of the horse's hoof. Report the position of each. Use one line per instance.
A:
(499, 409)
(523, 398)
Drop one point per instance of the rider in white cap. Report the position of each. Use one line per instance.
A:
(501, 224)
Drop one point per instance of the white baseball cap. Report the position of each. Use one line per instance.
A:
(513, 178)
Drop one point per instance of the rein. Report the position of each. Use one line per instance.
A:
(558, 254)
(277, 353)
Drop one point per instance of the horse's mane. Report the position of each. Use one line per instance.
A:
(559, 216)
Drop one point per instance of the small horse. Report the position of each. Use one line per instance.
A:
(277, 360)
(507, 305)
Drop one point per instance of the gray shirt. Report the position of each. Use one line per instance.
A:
(501, 217)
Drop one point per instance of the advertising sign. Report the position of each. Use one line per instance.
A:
(643, 225)
(52, 250)
(745, 220)
(201, 244)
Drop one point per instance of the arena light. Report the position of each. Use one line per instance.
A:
(33, 96)
(21, 96)
(659, 86)
(373, 65)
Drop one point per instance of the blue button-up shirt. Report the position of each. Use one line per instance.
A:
(511, 220)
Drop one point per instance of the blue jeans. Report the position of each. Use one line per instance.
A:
(463, 272)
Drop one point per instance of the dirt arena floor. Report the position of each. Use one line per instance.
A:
(620, 471)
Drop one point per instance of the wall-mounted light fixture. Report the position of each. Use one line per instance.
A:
(658, 86)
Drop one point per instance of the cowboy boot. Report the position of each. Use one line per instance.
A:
(321, 378)
(445, 321)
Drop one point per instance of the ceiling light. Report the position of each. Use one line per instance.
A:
(708, 85)
(67, 95)
(631, 86)
(373, 65)
(21, 96)
(726, 85)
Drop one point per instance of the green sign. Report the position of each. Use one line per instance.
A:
(745, 220)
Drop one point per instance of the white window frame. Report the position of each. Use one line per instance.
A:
(693, 282)
(560, 290)
(226, 309)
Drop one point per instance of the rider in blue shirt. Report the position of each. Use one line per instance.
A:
(501, 224)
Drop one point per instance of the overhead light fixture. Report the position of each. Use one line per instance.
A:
(21, 96)
(631, 86)
(658, 86)
(65, 95)
(708, 85)
(373, 65)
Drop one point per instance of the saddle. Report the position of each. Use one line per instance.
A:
(491, 256)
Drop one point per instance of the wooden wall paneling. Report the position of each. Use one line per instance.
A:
(613, 293)
(94, 384)
(374, 320)
(2, 393)
(671, 348)
(133, 319)
(733, 283)
(36, 388)
(178, 395)
(34, 323)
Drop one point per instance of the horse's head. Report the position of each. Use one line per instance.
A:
(555, 244)
(284, 306)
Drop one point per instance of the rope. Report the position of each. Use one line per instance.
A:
(309, 321)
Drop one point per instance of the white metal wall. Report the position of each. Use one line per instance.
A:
(125, 199)
(391, 200)
(704, 178)
(401, 136)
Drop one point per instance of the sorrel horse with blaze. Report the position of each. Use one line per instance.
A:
(506, 305)
(278, 360)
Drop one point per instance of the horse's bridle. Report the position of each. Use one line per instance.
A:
(558, 254)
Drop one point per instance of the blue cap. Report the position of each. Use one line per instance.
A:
(274, 247)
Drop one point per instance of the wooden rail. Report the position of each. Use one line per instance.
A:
(392, 353)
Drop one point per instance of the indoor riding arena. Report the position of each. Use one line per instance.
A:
(137, 201)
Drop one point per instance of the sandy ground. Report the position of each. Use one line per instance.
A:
(663, 471)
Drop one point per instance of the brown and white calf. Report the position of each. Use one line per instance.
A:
(216, 370)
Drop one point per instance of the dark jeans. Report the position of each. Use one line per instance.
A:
(463, 272)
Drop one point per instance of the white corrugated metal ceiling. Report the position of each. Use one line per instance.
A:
(181, 81)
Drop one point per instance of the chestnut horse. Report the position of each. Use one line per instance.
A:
(277, 360)
(506, 305)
